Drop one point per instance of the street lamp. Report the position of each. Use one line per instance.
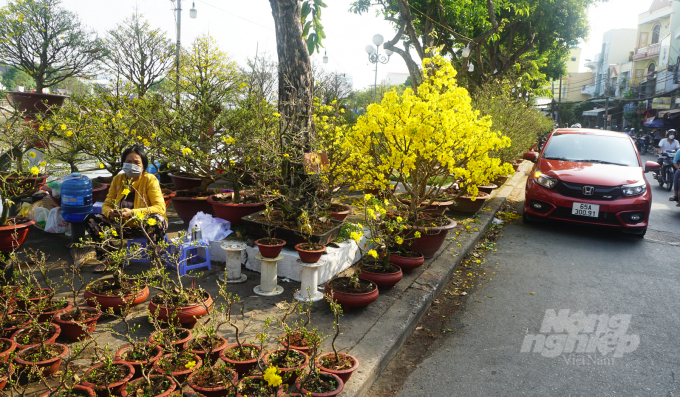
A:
(192, 15)
(375, 57)
(325, 57)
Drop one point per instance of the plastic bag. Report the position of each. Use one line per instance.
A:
(40, 215)
(55, 187)
(212, 229)
(55, 222)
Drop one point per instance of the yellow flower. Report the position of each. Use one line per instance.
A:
(151, 222)
(228, 140)
(355, 236)
(367, 196)
(399, 219)
(190, 365)
(399, 240)
(125, 192)
(101, 165)
(271, 376)
(35, 170)
(42, 164)
(285, 156)
(372, 253)
(69, 133)
(186, 151)
(63, 126)
(277, 114)
(114, 232)
(31, 155)
(417, 234)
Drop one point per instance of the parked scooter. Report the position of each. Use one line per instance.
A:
(665, 175)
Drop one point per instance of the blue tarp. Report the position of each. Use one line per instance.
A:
(656, 123)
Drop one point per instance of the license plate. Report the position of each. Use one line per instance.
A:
(583, 209)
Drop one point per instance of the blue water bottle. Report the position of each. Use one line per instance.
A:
(76, 197)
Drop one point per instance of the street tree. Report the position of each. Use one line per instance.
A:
(45, 41)
(138, 54)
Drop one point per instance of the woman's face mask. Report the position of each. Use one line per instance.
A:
(132, 170)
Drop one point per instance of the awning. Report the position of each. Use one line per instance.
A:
(665, 112)
(593, 112)
(654, 122)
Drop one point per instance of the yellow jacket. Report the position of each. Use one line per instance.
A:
(148, 195)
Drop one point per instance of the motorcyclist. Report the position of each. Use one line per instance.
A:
(676, 177)
(669, 142)
(632, 132)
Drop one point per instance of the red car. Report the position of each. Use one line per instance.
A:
(591, 177)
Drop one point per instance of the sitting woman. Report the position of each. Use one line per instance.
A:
(132, 193)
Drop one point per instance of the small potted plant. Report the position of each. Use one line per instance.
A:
(352, 292)
(315, 382)
(79, 322)
(138, 353)
(109, 376)
(270, 247)
(154, 386)
(341, 364)
(242, 356)
(214, 381)
(309, 252)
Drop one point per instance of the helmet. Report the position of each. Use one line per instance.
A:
(671, 132)
(577, 125)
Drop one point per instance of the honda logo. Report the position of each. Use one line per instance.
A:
(588, 190)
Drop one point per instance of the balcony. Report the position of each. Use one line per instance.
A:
(588, 89)
(647, 52)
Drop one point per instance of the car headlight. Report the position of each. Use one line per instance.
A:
(634, 190)
(545, 180)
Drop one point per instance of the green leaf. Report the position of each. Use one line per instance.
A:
(305, 31)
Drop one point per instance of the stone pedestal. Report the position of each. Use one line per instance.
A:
(233, 251)
(310, 280)
(268, 285)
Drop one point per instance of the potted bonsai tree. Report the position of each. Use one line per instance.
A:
(341, 364)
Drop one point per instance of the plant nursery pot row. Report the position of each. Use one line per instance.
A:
(292, 237)
(234, 212)
(12, 237)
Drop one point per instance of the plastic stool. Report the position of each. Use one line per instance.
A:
(194, 255)
(142, 241)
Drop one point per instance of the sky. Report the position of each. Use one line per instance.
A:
(242, 27)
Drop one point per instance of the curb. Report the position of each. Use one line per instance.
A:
(383, 340)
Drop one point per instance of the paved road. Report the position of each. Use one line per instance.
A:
(604, 319)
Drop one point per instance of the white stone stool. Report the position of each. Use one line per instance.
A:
(309, 280)
(268, 273)
(233, 262)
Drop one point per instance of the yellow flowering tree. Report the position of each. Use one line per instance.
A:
(423, 137)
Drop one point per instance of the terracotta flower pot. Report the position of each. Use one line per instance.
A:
(188, 207)
(48, 316)
(351, 300)
(289, 375)
(115, 388)
(5, 377)
(9, 331)
(49, 366)
(167, 196)
(182, 375)
(99, 192)
(139, 382)
(185, 182)
(242, 367)
(340, 212)
(407, 263)
(23, 305)
(307, 256)
(240, 393)
(80, 390)
(283, 341)
(32, 103)
(343, 374)
(115, 302)
(270, 250)
(137, 365)
(155, 337)
(8, 241)
(465, 205)
(219, 391)
(4, 355)
(214, 355)
(437, 207)
(186, 316)
(429, 241)
(335, 392)
(17, 336)
(386, 280)
(233, 212)
(74, 331)
(488, 189)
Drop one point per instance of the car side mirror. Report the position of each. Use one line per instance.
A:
(531, 156)
(652, 166)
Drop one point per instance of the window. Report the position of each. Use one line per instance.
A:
(573, 59)
(587, 148)
(655, 34)
(651, 68)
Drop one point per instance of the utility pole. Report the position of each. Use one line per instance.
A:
(179, 32)
(606, 113)
(552, 103)
(559, 105)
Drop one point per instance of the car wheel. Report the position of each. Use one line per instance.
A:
(526, 219)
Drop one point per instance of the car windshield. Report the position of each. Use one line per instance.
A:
(591, 149)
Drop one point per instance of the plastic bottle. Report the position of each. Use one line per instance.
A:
(76, 197)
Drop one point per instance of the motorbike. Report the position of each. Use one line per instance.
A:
(644, 143)
(665, 175)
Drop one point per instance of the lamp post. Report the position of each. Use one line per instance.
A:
(192, 15)
(375, 57)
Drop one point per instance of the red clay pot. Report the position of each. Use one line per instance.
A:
(349, 300)
(279, 393)
(233, 212)
(8, 242)
(309, 256)
(407, 264)
(99, 192)
(167, 196)
(269, 250)
(214, 355)
(465, 205)
(220, 391)
(428, 244)
(437, 207)
(334, 393)
(48, 367)
(289, 375)
(188, 207)
(178, 345)
(35, 102)
(132, 386)
(115, 302)
(48, 316)
(282, 341)
(8, 332)
(185, 182)
(137, 365)
(242, 367)
(344, 374)
(340, 212)
(488, 189)
(186, 316)
(23, 305)
(186, 394)
(74, 331)
(49, 341)
(5, 377)
(79, 389)
(115, 388)
(181, 376)
(386, 280)
(4, 355)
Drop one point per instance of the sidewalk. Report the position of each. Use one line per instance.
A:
(373, 335)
